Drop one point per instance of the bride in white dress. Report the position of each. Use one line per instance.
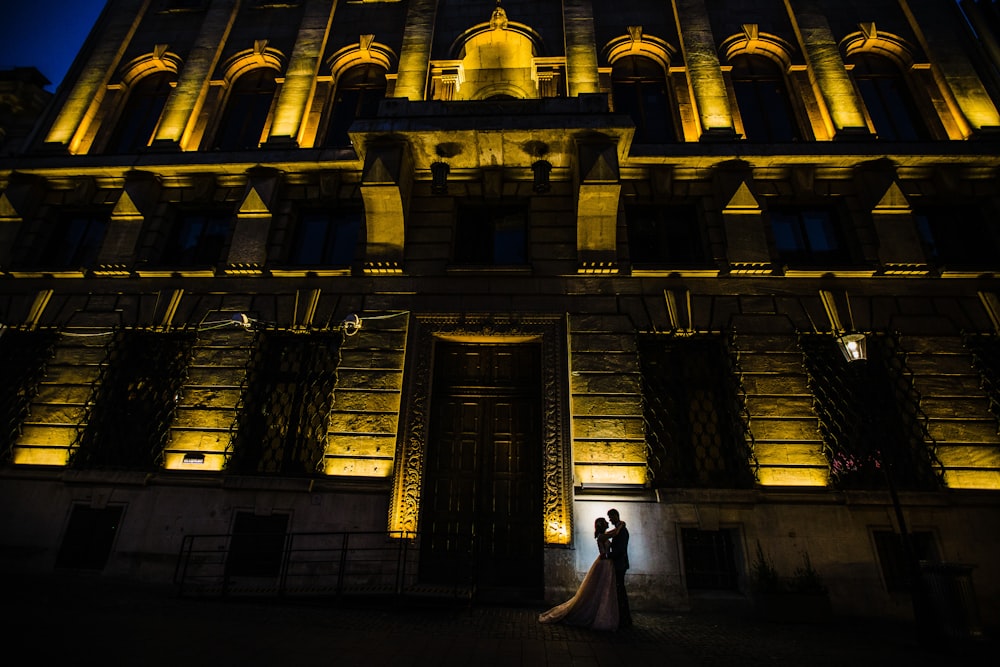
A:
(595, 604)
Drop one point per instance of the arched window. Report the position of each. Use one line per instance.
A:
(249, 103)
(639, 88)
(141, 113)
(763, 99)
(887, 98)
(358, 93)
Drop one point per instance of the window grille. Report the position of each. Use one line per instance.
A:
(127, 420)
(986, 360)
(869, 415)
(710, 559)
(692, 407)
(23, 355)
(285, 411)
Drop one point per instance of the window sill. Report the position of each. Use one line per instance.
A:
(326, 272)
(486, 268)
(663, 272)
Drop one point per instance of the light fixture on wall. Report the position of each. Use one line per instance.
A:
(439, 177)
(541, 169)
(196, 458)
(854, 346)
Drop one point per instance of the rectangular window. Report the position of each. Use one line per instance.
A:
(958, 235)
(71, 241)
(691, 408)
(257, 545)
(283, 425)
(197, 239)
(664, 236)
(710, 559)
(892, 556)
(128, 424)
(89, 537)
(326, 238)
(492, 234)
(808, 236)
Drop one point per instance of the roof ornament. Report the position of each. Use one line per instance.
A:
(499, 19)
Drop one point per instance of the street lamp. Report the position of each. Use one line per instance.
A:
(854, 347)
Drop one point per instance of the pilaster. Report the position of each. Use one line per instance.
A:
(414, 58)
(300, 78)
(80, 107)
(180, 114)
(708, 86)
(581, 50)
(827, 73)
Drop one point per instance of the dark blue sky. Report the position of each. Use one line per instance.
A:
(45, 34)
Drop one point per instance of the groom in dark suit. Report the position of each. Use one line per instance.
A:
(619, 555)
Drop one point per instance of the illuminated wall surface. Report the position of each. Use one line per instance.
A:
(307, 197)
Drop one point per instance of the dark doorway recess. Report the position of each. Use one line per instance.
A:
(482, 499)
(89, 537)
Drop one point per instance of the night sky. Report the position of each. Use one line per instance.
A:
(45, 34)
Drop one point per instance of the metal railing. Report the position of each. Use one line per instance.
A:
(313, 564)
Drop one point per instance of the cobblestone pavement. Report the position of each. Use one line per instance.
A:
(91, 622)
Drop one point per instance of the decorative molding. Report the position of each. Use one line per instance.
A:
(404, 512)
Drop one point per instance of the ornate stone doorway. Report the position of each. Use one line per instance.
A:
(523, 409)
(482, 482)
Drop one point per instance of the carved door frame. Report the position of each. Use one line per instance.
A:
(411, 453)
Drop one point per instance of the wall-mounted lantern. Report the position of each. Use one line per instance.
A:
(439, 178)
(541, 169)
(853, 346)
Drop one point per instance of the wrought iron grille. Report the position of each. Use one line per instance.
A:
(986, 360)
(285, 411)
(127, 421)
(23, 355)
(869, 415)
(695, 436)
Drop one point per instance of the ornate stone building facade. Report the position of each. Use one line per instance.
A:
(308, 293)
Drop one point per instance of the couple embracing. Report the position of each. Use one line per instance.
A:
(601, 602)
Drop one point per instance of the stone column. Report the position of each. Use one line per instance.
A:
(936, 28)
(181, 111)
(114, 31)
(827, 73)
(581, 48)
(415, 55)
(701, 58)
(300, 78)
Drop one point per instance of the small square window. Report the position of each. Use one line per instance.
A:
(808, 236)
(75, 241)
(492, 235)
(958, 235)
(197, 238)
(892, 556)
(664, 236)
(326, 238)
(709, 559)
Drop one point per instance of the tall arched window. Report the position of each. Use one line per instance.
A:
(358, 93)
(887, 98)
(639, 88)
(141, 113)
(242, 124)
(763, 100)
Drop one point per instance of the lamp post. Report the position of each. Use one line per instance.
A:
(854, 347)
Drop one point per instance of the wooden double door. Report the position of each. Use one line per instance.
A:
(482, 494)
